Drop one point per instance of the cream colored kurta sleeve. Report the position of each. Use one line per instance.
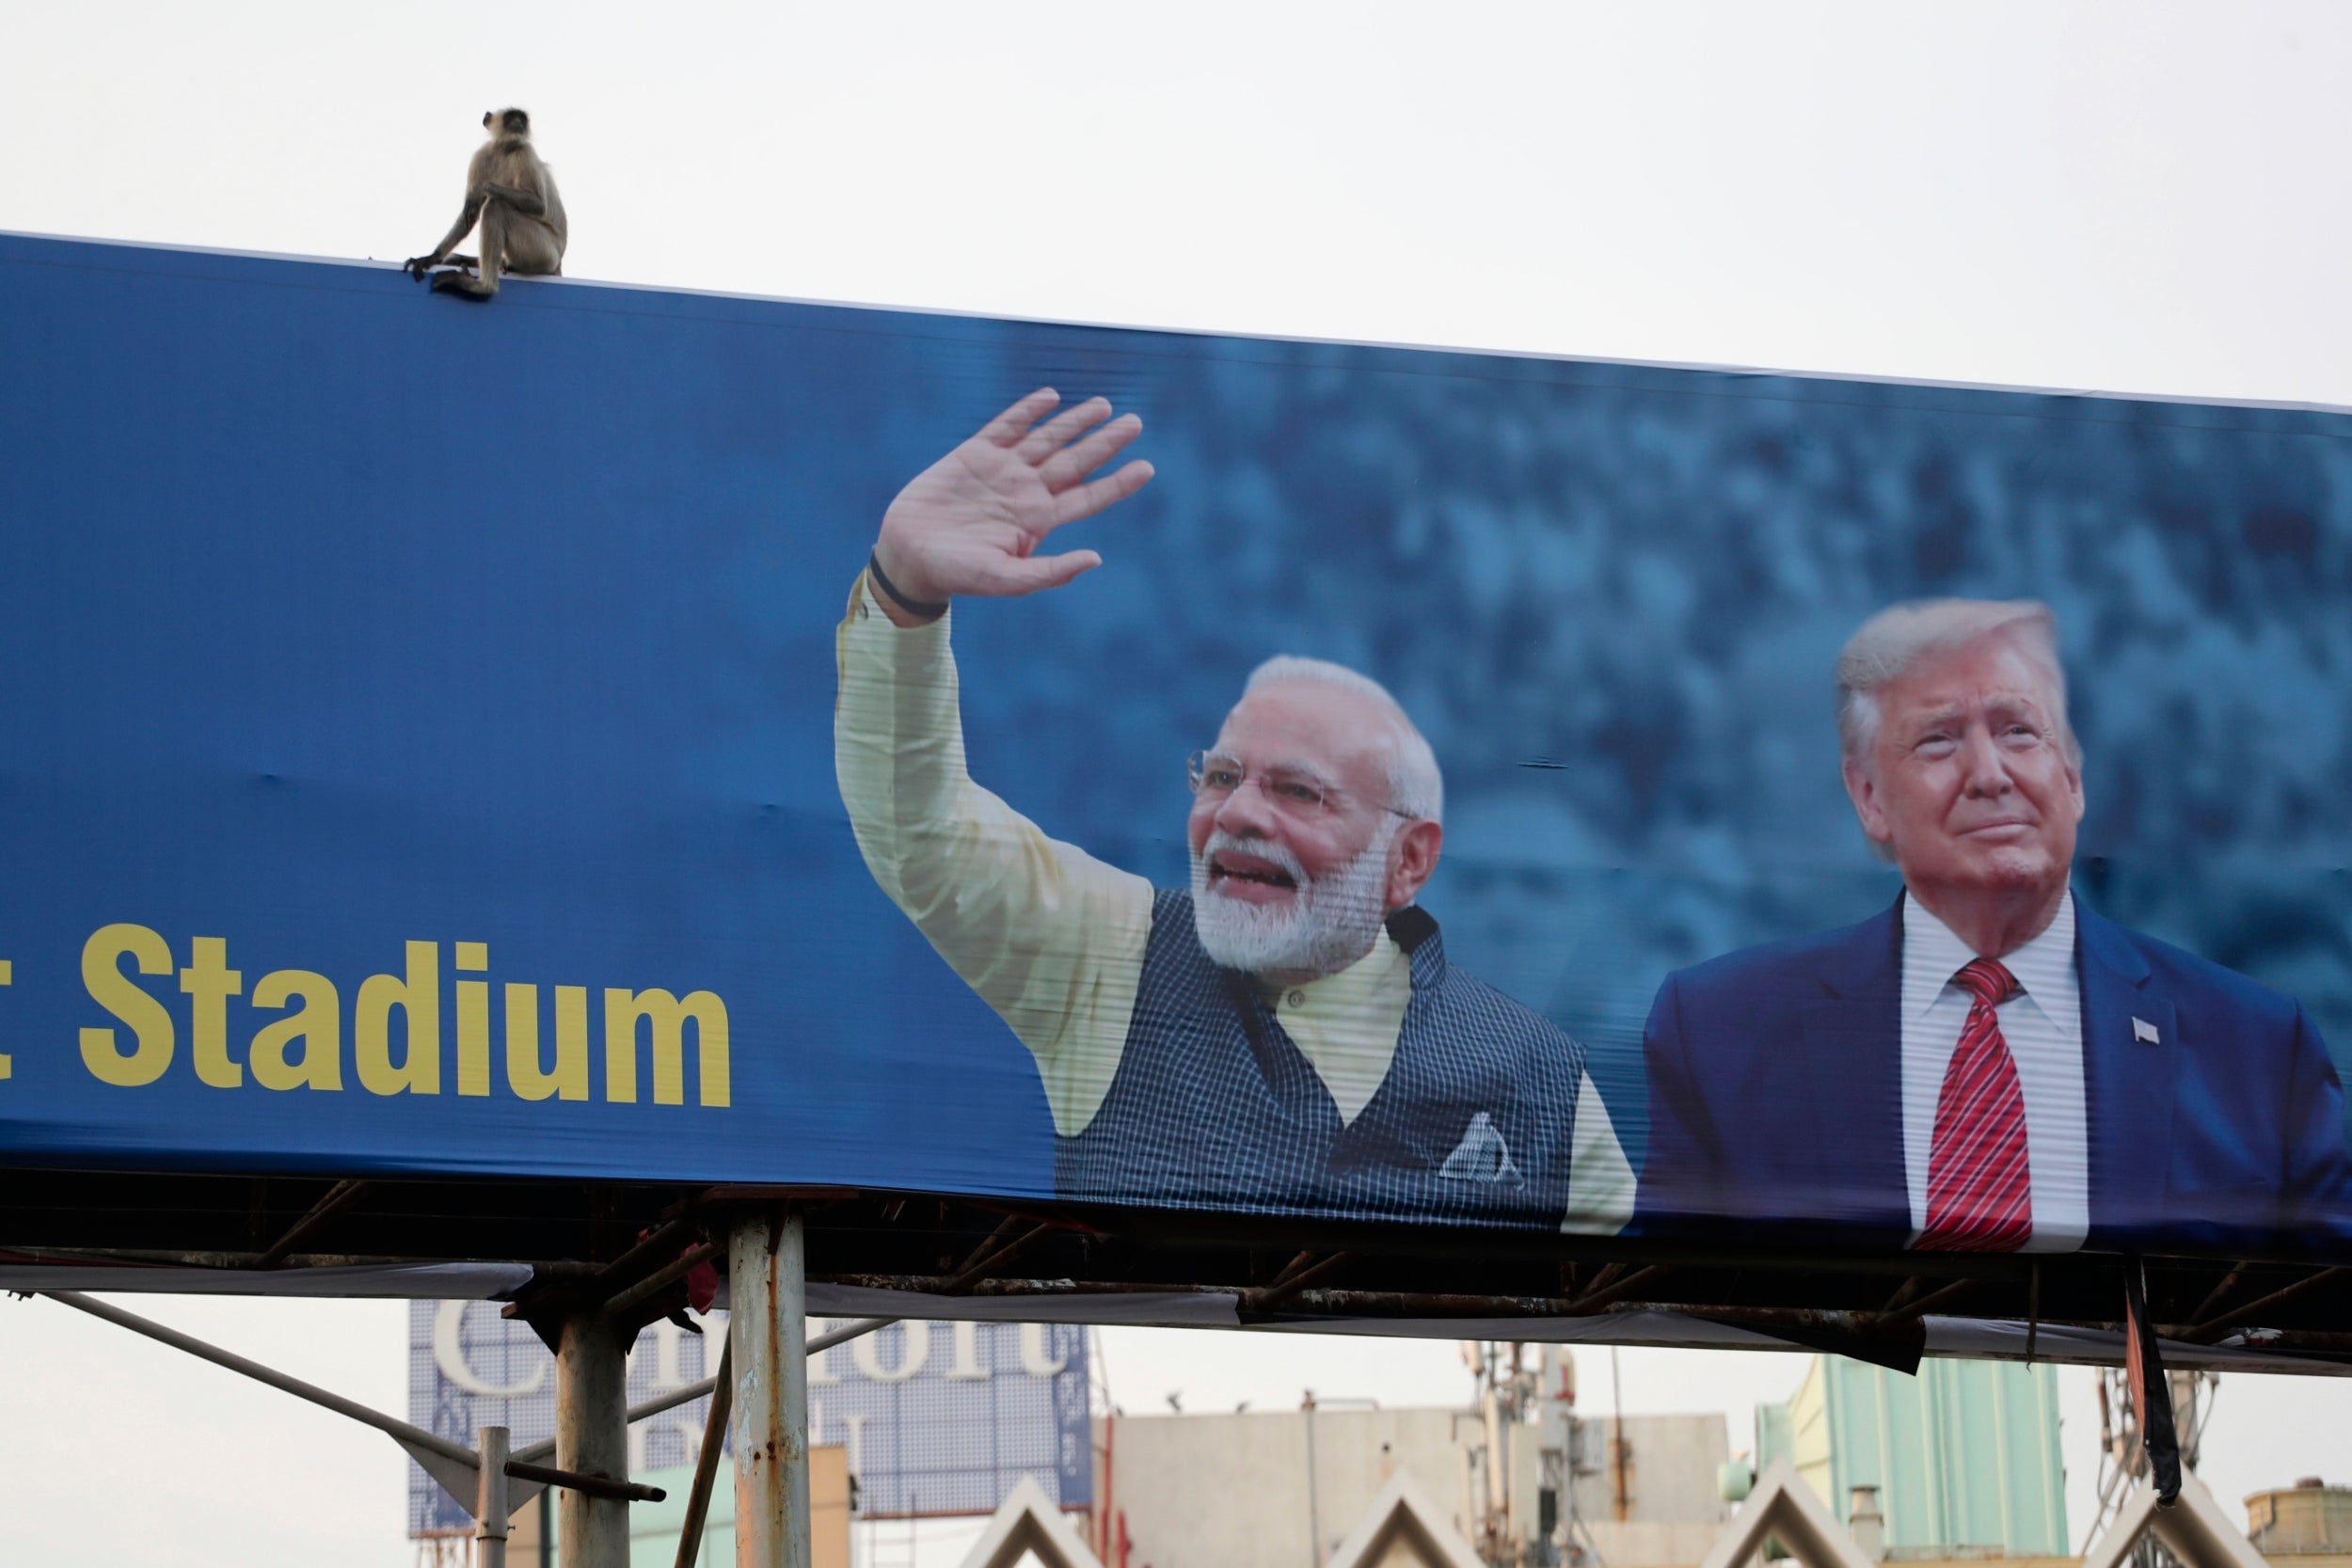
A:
(1050, 937)
(1600, 1179)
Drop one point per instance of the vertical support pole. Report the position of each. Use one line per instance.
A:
(767, 1333)
(490, 1507)
(591, 1437)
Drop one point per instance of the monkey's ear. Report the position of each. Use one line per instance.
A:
(487, 115)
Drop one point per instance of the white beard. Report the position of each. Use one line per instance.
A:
(1330, 924)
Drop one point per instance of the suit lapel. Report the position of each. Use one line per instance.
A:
(2128, 1079)
(1853, 1065)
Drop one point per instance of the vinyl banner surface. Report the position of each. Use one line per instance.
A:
(617, 733)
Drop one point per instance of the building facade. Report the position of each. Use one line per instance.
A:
(1963, 1455)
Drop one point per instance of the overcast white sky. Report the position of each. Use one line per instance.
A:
(2132, 197)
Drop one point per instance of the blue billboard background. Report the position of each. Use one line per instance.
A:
(340, 617)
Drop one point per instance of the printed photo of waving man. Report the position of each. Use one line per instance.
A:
(1989, 1064)
(1284, 1035)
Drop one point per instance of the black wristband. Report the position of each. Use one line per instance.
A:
(928, 610)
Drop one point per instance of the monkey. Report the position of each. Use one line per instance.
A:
(513, 195)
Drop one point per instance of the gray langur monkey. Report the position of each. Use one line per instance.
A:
(512, 195)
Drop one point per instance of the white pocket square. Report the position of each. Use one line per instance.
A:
(1480, 1156)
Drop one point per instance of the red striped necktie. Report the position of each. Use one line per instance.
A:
(1980, 1183)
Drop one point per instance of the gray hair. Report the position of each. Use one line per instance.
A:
(1899, 637)
(1415, 787)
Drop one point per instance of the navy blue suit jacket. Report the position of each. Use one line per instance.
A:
(1776, 1101)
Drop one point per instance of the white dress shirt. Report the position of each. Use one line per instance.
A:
(2044, 1028)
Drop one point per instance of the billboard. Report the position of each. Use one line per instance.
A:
(1469, 789)
(936, 1417)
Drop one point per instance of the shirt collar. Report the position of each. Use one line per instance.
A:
(1361, 984)
(2043, 968)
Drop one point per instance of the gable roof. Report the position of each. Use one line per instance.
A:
(2196, 1529)
(1782, 1505)
(1402, 1513)
(1028, 1522)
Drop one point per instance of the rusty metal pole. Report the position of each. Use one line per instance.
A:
(591, 1437)
(767, 1333)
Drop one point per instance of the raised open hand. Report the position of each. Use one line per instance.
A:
(971, 522)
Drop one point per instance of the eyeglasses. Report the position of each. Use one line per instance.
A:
(1214, 776)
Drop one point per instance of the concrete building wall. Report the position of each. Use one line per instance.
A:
(1674, 1505)
(1233, 1491)
(1640, 1544)
(1670, 1474)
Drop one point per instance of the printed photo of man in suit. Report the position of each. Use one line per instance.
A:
(1988, 1065)
(1285, 1035)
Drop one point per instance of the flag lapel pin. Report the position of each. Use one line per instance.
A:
(2145, 1032)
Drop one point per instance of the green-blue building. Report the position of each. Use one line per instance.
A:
(1964, 1454)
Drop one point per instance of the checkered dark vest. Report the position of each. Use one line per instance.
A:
(1212, 1107)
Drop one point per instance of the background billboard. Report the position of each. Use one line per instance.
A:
(463, 726)
(936, 1417)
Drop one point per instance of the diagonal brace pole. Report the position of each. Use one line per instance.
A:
(399, 1430)
(689, 1535)
(339, 1198)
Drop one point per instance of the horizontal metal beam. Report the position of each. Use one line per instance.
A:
(848, 1331)
(131, 1260)
(1609, 1300)
(936, 1285)
(392, 1426)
